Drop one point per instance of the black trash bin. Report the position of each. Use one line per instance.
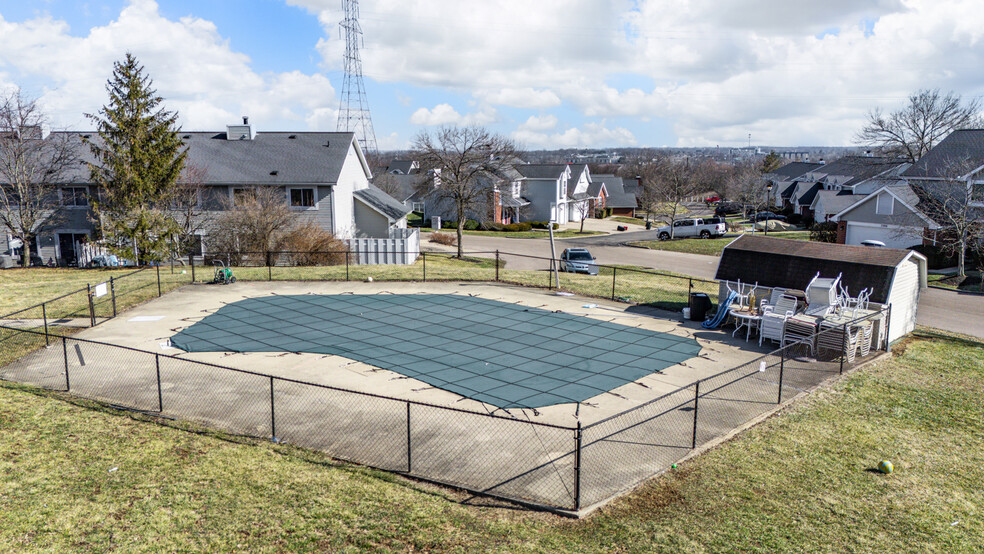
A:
(700, 304)
(649, 225)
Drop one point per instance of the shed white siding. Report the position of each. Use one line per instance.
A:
(904, 298)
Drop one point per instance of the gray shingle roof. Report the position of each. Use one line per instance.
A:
(791, 263)
(834, 200)
(541, 171)
(382, 202)
(795, 169)
(278, 158)
(858, 168)
(958, 153)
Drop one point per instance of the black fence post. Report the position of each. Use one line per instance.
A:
(191, 262)
(269, 267)
(497, 265)
(409, 465)
(68, 385)
(92, 307)
(578, 441)
(44, 318)
(273, 415)
(782, 365)
(112, 290)
(424, 256)
(160, 394)
(159, 293)
(347, 252)
(614, 272)
(693, 443)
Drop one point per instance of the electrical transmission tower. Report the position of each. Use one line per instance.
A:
(353, 109)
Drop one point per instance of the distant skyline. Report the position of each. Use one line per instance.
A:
(548, 74)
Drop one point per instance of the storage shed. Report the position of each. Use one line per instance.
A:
(895, 277)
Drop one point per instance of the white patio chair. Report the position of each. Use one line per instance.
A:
(774, 318)
(821, 295)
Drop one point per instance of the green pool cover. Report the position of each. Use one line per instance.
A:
(506, 355)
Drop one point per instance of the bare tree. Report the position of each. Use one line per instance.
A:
(31, 167)
(465, 161)
(251, 224)
(745, 185)
(913, 130)
(583, 210)
(954, 204)
(667, 184)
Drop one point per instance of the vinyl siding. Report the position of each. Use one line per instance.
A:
(904, 298)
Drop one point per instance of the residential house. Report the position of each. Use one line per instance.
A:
(619, 194)
(324, 178)
(843, 175)
(546, 188)
(904, 211)
(783, 180)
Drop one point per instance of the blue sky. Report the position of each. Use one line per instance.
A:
(549, 74)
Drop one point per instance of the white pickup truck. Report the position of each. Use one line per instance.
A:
(693, 227)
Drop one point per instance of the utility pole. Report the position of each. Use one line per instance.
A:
(353, 109)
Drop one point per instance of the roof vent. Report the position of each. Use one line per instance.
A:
(292, 136)
(186, 137)
(274, 172)
(327, 143)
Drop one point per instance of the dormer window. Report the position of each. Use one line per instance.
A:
(884, 204)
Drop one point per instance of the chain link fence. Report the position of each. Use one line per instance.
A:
(563, 468)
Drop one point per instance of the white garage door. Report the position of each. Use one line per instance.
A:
(893, 237)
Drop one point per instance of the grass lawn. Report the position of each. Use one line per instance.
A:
(711, 247)
(973, 282)
(75, 476)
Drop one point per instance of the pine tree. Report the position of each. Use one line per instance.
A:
(139, 159)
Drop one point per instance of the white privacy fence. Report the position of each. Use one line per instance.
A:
(401, 248)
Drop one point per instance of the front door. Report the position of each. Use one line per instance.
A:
(66, 247)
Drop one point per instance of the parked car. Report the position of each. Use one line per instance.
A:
(578, 260)
(692, 227)
(727, 208)
(873, 243)
(765, 216)
(712, 199)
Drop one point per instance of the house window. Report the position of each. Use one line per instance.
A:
(240, 195)
(516, 189)
(884, 204)
(418, 206)
(977, 193)
(75, 196)
(302, 198)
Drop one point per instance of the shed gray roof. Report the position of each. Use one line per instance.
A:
(792, 264)
(383, 203)
(957, 154)
(277, 158)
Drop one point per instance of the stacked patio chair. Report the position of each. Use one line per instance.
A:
(832, 338)
(774, 317)
(821, 295)
(800, 328)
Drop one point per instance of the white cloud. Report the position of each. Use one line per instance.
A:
(590, 135)
(192, 67)
(539, 123)
(521, 97)
(445, 114)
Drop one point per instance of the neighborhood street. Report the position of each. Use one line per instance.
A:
(943, 309)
